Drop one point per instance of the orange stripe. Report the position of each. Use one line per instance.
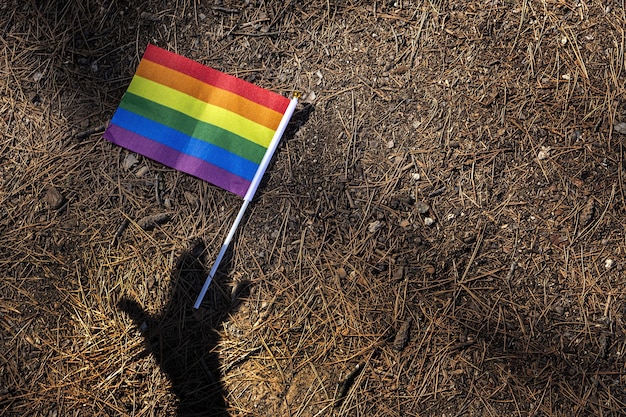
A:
(209, 94)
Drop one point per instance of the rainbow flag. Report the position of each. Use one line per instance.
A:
(200, 121)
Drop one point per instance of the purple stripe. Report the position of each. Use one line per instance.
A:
(177, 160)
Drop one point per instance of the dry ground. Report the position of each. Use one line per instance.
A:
(501, 121)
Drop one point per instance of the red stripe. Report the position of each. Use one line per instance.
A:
(217, 79)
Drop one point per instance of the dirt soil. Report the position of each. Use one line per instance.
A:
(441, 231)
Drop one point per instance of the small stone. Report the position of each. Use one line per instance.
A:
(405, 223)
(130, 161)
(429, 221)
(54, 198)
(390, 144)
(416, 176)
(341, 273)
(608, 264)
(142, 171)
(620, 128)
(309, 97)
(358, 278)
(422, 208)
(374, 226)
(543, 153)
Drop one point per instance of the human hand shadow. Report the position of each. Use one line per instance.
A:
(182, 344)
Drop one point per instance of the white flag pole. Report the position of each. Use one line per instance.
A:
(258, 176)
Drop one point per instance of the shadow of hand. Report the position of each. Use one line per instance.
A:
(183, 345)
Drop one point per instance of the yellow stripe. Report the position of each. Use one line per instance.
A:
(201, 110)
(209, 93)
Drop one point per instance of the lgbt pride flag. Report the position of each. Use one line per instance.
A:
(203, 122)
(200, 121)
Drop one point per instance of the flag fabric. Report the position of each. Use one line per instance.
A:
(199, 120)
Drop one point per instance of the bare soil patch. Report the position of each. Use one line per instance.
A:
(441, 231)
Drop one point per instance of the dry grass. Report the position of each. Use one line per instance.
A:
(499, 116)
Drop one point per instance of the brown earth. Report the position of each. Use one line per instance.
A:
(441, 232)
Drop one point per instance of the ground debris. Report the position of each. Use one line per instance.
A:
(54, 198)
(587, 213)
(422, 207)
(120, 231)
(403, 336)
(347, 383)
(150, 222)
(150, 17)
(398, 274)
(507, 289)
(374, 226)
(130, 161)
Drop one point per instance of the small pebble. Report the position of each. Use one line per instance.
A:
(341, 273)
(374, 226)
(608, 264)
(142, 171)
(543, 153)
(422, 208)
(416, 176)
(429, 221)
(620, 128)
(130, 161)
(54, 198)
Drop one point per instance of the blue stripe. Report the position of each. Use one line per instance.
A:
(183, 143)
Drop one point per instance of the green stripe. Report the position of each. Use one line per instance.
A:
(201, 110)
(193, 127)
